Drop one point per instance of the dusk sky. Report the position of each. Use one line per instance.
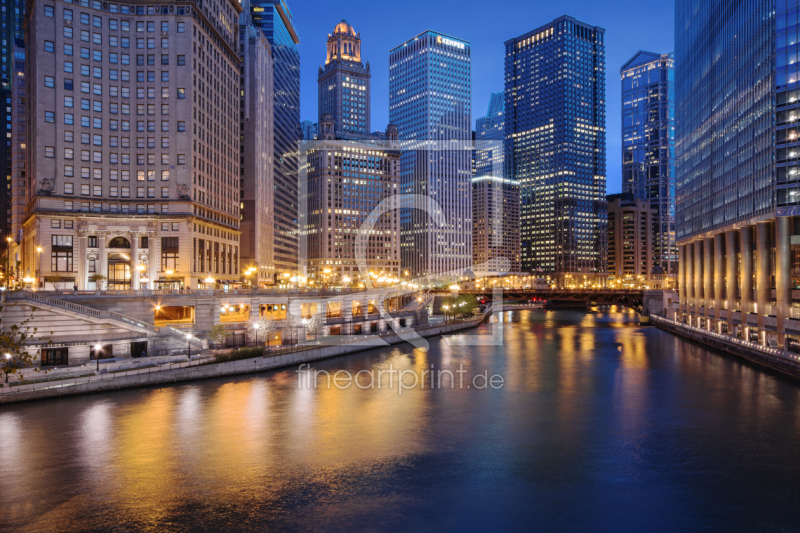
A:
(630, 26)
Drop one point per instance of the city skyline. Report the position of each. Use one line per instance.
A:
(650, 28)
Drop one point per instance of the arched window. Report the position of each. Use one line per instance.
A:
(119, 242)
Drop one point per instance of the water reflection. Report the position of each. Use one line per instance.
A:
(599, 419)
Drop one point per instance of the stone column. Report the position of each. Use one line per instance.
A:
(732, 285)
(689, 260)
(682, 276)
(82, 276)
(746, 250)
(783, 276)
(135, 273)
(102, 260)
(719, 274)
(708, 276)
(763, 285)
(699, 297)
(152, 261)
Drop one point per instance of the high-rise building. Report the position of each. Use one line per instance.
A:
(495, 219)
(555, 145)
(257, 194)
(343, 83)
(275, 21)
(495, 198)
(631, 231)
(738, 168)
(309, 130)
(133, 143)
(648, 145)
(18, 201)
(430, 102)
(12, 35)
(346, 181)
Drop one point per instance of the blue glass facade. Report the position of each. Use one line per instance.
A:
(724, 93)
(430, 102)
(275, 21)
(787, 102)
(648, 145)
(555, 146)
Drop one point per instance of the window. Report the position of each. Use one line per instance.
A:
(164, 42)
(164, 59)
(67, 85)
(69, 153)
(85, 189)
(165, 109)
(68, 101)
(67, 50)
(69, 188)
(164, 161)
(164, 142)
(181, 159)
(68, 32)
(169, 253)
(68, 68)
(69, 171)
(97, 106)
(97, 72)
(97, 140)
(113, 24)
(181, 27)
(181, 125)
(97, 22)
(85, 172)
(164, 25)
(92, 241)
(61, 253)
(151, 192)
(49, 151)
(67, 14)
(84, 53)
(140, 192)
(97, 123)
(84, 138)
(113, 58)
(164, 192)
(125, 25)
(140, 174)
(85, 87)
(54, 223)
(97, 173)
(49, 81)
(85, 104)
(97, 190)
(49, 46)
(85, 155)
(113, 191)
(165, 78)
(69, 118)
(126, 192)
(97, 38)
(67, 206)
(151, 43)
(164, 125)
(165, 175)
(181, 61)
(85, 36)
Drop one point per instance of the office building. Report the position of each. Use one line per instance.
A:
(309, 130)
(17, 186)
(430, 102)
(274, 19)
(495, 233)
(648, 145)
(343, 83)
(132, 144)
(346, 181)
(12, 35)
(257, 194)
(555, 146)
(737, 169)
(631, 232)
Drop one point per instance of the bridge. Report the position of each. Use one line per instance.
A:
(637, 299)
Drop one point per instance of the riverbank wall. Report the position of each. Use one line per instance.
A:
(91, 384)
(774, 359)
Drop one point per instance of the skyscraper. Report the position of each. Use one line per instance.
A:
(555, 145)
(257, 194)
(495, 198)
(147, 199)
(738, 168)
(275, 21)
(429, 101)
(343, 83)
(12, 35)
(648, 145)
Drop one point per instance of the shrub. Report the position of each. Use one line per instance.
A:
(238, 354)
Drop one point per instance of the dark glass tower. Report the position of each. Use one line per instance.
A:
(275, 21)
(555, 146)
(648, 145)
(11, 32)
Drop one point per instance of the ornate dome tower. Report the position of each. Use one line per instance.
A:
(344, 43)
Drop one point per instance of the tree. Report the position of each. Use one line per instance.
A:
(261, 327)
(292, 323)
(98, 279)
(314, 325)
(465, 305)
(55, 279)
(15, 353)
(218, 334)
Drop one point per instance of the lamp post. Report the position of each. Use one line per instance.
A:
(188, 346)
(8, 356)
(97, 349)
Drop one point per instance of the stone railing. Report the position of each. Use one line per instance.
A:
(88, 311)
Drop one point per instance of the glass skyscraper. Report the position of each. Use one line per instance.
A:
(555, 146)
(430, 102)
(648, 146)
(275, 21)
(738, 168)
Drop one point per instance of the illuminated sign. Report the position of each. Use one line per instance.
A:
(450, 42)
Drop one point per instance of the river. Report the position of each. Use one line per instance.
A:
(598, 425)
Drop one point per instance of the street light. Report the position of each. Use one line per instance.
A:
(97, 349)
(8, 356)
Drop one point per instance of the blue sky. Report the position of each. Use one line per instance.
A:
(630, 26)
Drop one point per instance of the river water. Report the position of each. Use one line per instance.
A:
(599, 425)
